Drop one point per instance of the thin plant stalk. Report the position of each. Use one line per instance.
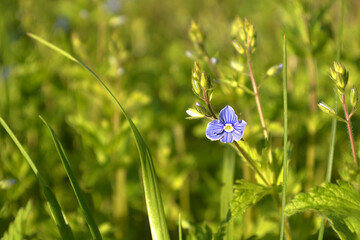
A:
(333, 121)
(256, 94)
(228, 170)
(351, 137)
(283, 200)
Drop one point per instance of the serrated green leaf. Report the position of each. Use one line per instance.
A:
(55, 209)
(154, 202)
(17, 227)
(339, 203)
(247, 194)
(78, 193)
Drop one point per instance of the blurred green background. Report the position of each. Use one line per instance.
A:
(138, 48)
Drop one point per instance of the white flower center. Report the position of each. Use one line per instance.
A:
(228, 127)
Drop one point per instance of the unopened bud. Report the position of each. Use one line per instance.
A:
(340, 76)
(238, 47)
(205, 81)
(193, 113)
(195, 75)
(251, 31)
(325, 108)
(196, 87)
(237, 66)
(236, 26)
(339, 68)
(196, 36)
(274, 70)
(200, 108)
(354, 98)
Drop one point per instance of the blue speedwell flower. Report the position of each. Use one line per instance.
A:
(227, 128)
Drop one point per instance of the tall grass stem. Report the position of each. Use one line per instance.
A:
(333, 121)
(283, 200)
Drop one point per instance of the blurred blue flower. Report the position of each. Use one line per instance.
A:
(5, 72)
(7, 183)
(62, 23)
(227, 128)
(113, 6)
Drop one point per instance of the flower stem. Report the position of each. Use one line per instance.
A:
(242, 152)
(334, 121)
(283, 200)
(349, 130)
(256, 94)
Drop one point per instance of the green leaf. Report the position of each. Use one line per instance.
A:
(17, 227)
(154, 202)
(339, 203)
(78, 193)
(247, 194)
(55, 209)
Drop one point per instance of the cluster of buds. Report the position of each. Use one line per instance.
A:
(201, 84)
(340, 76)
(244, 35)
(203, 89)
(196, 36)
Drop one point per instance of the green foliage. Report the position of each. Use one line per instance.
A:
(79, 195)
(55, 209)
(143, 52)
(247, 194)
(17, 229)
(339, 203)
(152, 193)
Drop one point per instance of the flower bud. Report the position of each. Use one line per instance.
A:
(251, 31)
(196, 36)
(193, 113)
(274, 70)
(196, 87)
(331, 112)
(325, 108)
(242, 34)
(354, 99)
(238, 47)
(237, 66)
(340, 76)
(205, 81)
(235, 27)
(200, 108)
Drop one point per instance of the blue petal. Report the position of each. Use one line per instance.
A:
(227, 115)
(228, 138)
(214, 130)
(239, 128)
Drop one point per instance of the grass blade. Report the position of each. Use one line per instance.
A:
(154, 202)
(55, 209)
(78, 193)
(283, 200)
(180, 228)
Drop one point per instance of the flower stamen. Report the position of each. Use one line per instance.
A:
(228, 127)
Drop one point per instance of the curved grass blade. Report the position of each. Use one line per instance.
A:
(154, 202)
(78, 193)
(55, 209)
